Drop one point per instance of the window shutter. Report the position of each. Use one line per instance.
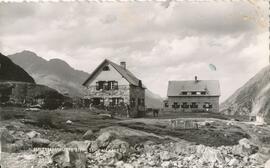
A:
(115, 85)
(105, 86)
(97, 86)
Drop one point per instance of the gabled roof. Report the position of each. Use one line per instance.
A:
(212, 87)
(132, 79)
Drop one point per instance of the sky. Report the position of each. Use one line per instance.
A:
(160, 41)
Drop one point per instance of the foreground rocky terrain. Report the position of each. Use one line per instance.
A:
(133, 143)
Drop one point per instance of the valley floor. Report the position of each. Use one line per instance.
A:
(195, 140)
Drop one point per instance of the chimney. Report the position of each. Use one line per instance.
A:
(196, 79)
(123, 64)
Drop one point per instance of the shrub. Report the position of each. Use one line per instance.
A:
(52, 104)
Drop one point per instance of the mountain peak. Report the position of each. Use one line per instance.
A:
(28, 52)
(59, 63)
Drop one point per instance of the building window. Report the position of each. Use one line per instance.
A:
(105, 86)
(184, 93)
(139, 101)
(116, 100)
(97, 101)
(100, 85)
(185, 105)
(142, 102)
(193, 93)
(112, 85)
(203, 93)
(132, 102)
(166, 104)
(106, 68)
(175, 105)
(194, 105)
(207, 105)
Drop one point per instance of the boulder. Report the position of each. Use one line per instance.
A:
(120, 146)
(166, 164)
(89, 135)
(233, 162)
(40, 142)
(69, 159)
(69, 122)
(149, 143)
(104, 139)
(211, 155)
(200, 149)
(92, 147)
(267, 164)
(127, 165)
(258, 158)
(166, 156)
(246, 143)
(265, 150)
(184, 148)
(111, 157)
(119, 164)
(33, 134)
(245, 148)
(190, 158)
(80, 145)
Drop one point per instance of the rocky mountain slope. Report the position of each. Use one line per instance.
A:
(12, 72)
(252, 98)
(57, 74)
(54, 73)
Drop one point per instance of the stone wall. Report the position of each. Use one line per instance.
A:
(137, 93)
(200, 100)
(122, 91)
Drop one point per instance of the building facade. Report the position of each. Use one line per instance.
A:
(193, 96)
(113, 85)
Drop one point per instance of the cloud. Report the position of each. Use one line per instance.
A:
(159, 41)
(108, 19)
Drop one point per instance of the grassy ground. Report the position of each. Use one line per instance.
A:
(52, 125)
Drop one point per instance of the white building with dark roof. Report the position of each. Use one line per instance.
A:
(112, 85)
(193, 96)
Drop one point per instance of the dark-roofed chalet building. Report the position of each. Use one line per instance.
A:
(111, 84)
(193, 96)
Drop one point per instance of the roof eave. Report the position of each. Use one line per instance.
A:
(94, 72)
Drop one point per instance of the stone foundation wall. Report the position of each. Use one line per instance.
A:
(127, 92)
(122, 91)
